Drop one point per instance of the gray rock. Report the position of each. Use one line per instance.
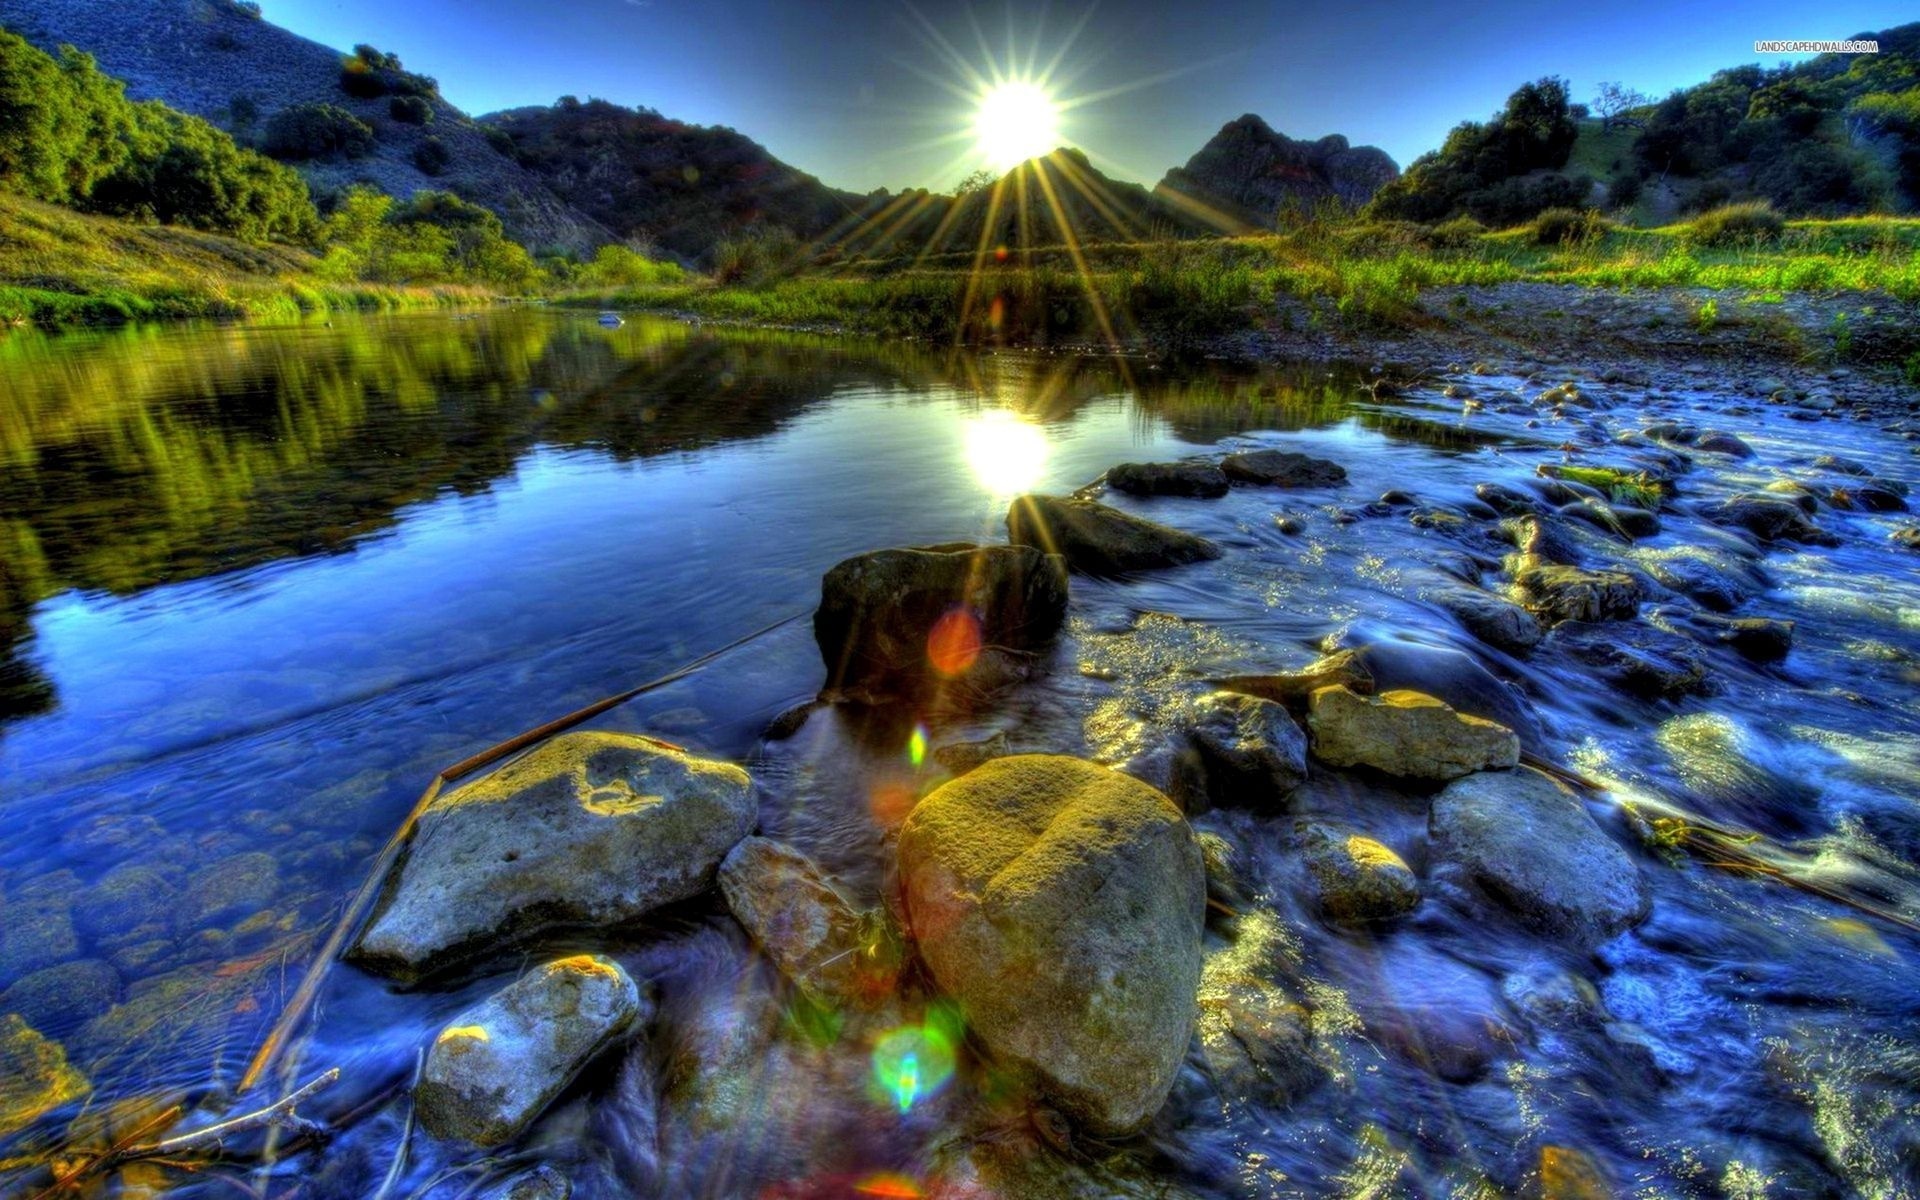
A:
(880, 614)
(1843, 466)
(1358, 879)
(497, 1065)
(1283, 468)
(810, 931)
(1556, 593)
(1061, 904)
(1405, 733)
(1762, 639)
(1709, 578)
(127, 897)
(1530, 845)
(1769, 518)
(590, 828)
(1718, 442)
(1623, 520)
(1452, 676)
(1506, 501)
(1342, 667)
(1167, 479)
(1099, 540)
(1543, 538)
(541, 1183)
(1242, 751)
(1876, 495)
(960, 757)
(1641, 660)
(1497, 622)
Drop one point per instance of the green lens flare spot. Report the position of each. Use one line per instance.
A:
(911, 1064)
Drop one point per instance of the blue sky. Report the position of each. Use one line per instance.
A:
(842, 88)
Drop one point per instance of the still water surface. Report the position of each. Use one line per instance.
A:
(258, 585)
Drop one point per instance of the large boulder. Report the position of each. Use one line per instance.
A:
(1530, 845)
(1283, 468)
(1167, 479)
(805, 925)
(1061, 904)
(1100, 540)
(497, 1065)
(902, 621)
(1408, 734)
(588, 829)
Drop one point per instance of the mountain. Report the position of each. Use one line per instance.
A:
(218, 60)
(1248, 173)
(648, 177)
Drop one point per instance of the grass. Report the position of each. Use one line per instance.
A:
(59, 268)
(1360, 274)
(1622, 487)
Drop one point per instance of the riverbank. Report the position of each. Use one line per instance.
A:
(61, 268)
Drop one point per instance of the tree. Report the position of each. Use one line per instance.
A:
(1615, 102)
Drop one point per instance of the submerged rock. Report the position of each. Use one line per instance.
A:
(1641, 660)
(1621, 519)
(1242, 751)
(1406, 733)
(1167, 479)
(1099, 540)
(1769, 518)
(541, 1183)
(1283, 468)
(1061, 904)
(1762, 639)
(903, 621)
(1454, 677)
(1710, 578)
(795, 914)
(1559, 593)
(498, 1065)
(1506, 501)
(1358, 879)
(1718, 442)
(590, 828)
(1497, 622)
(1254, 1034)
(35, 1077)
(55, 998)
(1530, 845)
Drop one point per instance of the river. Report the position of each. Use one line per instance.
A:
(257, 585)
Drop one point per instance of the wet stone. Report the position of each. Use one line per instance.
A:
(1168, 479)
(804, 924)
(35, 1077)
(1407, 734)
(1506, 501)
(1241, 751)
(1558, 593)
(1495, 621)
(1769, 518)
(56, 998)
(1640, 660)
(1717, 442)
(1358, 879)
(1099, 540)
(233, 887)
(1283, 468)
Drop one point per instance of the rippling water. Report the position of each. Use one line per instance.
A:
(258, 585)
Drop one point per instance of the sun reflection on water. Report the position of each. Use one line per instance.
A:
(1005, 453)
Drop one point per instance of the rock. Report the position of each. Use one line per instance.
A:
(795, 914)
(1289, 525)
(1242, 752)
(1551, 995)
(1506, 501)
(957, 758)
(1843, 466)
(1878, 496)
(1283, 468)
(127, 897)
(1769, 518)
(1542, 538)
(1439, 1014)
(35, 1077)
(1453, 677)
(1709, 578)
(590, 828)
(497, 1065)
(233, 887)
(1717, 442)
(1061, 904)
(1557, 593)
(1167, 479)
(1907, 537)
(1255, 1036)
(1623, 520)
(64, 996)
(1640, 660)
(541, 1183)
(1530, 845)
(1343, 667)
(1762, 639)
(1405, 733)
(903, 621)
(1497, 622)
(36, 932)
(1358, 879)
(1099, 540)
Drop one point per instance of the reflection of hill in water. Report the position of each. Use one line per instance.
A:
(140, 457)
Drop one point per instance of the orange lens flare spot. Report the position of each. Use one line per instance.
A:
(890, 800)
(997, 313)
(954, 642)
(890, 1185)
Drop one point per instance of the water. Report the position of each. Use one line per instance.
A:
(258, 585)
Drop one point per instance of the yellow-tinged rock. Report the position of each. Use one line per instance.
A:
(1569, 1174)
(35, 1077)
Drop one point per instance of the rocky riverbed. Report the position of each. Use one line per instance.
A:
(1281, 820)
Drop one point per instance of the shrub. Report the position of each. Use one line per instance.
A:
(1458, 233)
(356, 80)
(410, 110)
(756, 255)
(306, 131)
(621, 266)
(1747, 224)
(1561, 226)
(499, 139)
(1624, 191)
(432, 156)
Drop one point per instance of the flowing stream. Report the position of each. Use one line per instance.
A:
(257, 585)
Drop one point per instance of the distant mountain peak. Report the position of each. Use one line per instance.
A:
(1248, 172)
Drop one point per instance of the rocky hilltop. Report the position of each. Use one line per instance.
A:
(219, 60)
(1247, 173)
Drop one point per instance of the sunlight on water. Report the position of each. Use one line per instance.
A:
(1006, 454)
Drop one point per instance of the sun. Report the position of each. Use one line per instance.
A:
(1013, 121)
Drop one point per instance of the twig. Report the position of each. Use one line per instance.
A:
(406, 1133)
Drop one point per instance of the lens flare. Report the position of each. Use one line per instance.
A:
(1015, 120)
(910, 1064)
(890, 1185)
(917, 746)
(953, 643)
(1006, 454)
